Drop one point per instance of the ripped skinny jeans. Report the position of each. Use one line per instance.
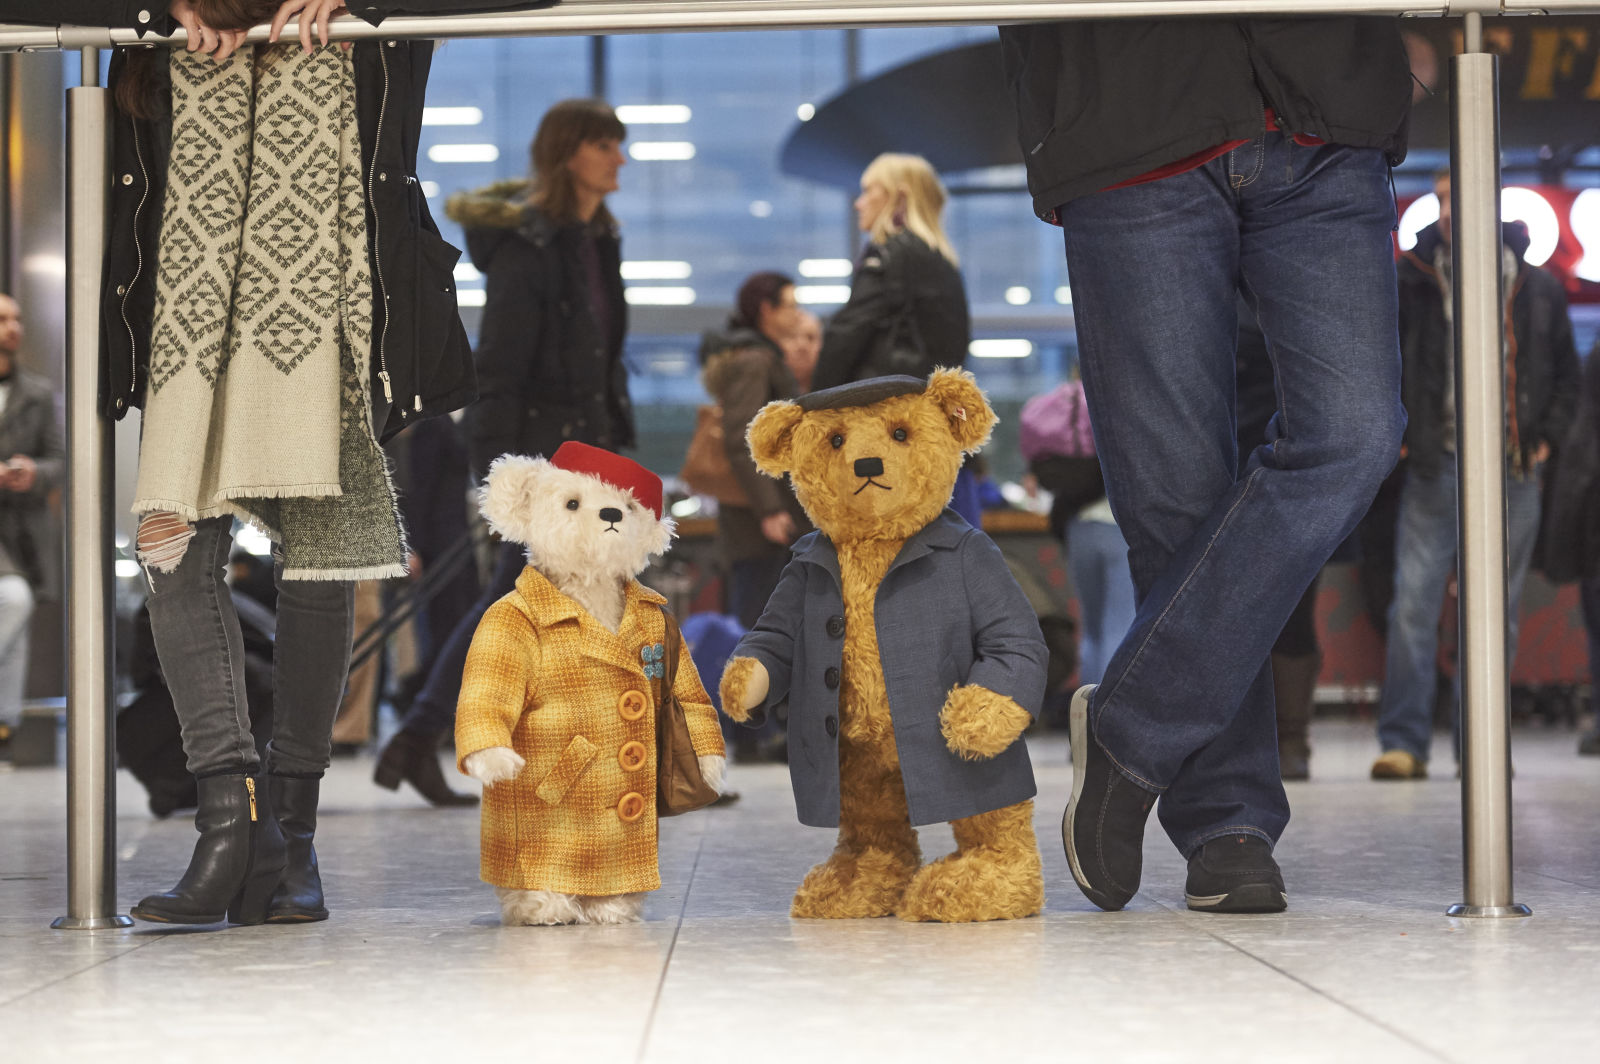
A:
(202, 655)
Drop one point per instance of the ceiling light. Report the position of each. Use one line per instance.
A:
(761, 208)
(826, 267)
(659, 297)
(471, 297)
(661, 270)
(653, 114)
(430, 189)
(1000, 348)
(463, 153)
(466, 271)
(1018, 295)
(452, 116)
(821, 293)
(806, 112)
(1064, 296)
(661, 150)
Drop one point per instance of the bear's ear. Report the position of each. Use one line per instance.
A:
(956, 392)
(509, 494)
(770, 435)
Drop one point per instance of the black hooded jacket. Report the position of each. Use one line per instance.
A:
(547, 371)
(1102, 101)
(1540, 354)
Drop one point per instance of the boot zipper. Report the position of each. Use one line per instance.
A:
(250, 785)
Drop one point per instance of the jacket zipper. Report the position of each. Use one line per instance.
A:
(377, 265)
(138, 269)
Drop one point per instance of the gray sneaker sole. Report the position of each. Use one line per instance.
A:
(1078, 733)
(1249, 898)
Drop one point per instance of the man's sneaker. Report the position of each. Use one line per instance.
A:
(1103, 828)
(1399, 765)
(1235, 874)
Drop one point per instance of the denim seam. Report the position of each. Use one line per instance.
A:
(242, 736)
(1239, 181)
(1249, 486)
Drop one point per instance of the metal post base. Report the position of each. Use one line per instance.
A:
(92, 923)
(1488, 911)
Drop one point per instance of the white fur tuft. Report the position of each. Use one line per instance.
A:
(546, 908)
(714, 770)
(493, 765)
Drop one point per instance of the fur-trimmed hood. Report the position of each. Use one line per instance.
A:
(490, 216)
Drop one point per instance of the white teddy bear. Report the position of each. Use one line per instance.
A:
(562, 686)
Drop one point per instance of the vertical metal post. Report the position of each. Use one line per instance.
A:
(1480, 480)
(599, 68)
(91, 770)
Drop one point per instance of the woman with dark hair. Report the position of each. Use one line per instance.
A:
(277, 301)
(549, 361)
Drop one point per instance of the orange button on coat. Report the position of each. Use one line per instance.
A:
(632, 756)
(631, 705)
(631, 807)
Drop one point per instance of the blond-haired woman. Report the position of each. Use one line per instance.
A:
(908, 307)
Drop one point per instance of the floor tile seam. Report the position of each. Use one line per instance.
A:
(141, 943)
(672, 947)
(1354, 1010)
(1561, 879)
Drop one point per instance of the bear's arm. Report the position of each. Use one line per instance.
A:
(496, 685)
(1009, 653)
(705, 734)
(772, 640)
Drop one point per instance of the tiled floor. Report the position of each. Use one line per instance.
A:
(414, 965)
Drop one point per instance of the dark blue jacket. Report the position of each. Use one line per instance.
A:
(948, 612)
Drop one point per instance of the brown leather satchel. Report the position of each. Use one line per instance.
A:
(680, 788)
(706, 468)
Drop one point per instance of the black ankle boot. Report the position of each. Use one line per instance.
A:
(236, 864)
(414, 758)
(298, 898)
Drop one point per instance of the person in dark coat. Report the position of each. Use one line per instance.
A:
(549, 362)
(1542, 386)
(1188, 162)
(1572, 550)
(32, 462)
(907, 311)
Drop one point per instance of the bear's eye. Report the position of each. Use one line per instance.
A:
(837, 440)
(899, 435)
(572, 504)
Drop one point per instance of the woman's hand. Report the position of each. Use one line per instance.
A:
(218, 44)
(314, 16)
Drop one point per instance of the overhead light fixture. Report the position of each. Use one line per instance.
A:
(1064, 296)
(806, 112)
(452, 116)
(760, 208)
(466, 271)
(660, 270)
(661, 150)
(1000, 348)
(653, 114)
(821, 293)
(430, 189)
(463, 153)
(471, 297)
(826, 267)
(127, 567)
(1019, 295)
(659, 297)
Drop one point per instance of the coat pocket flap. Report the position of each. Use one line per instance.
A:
(574, 759)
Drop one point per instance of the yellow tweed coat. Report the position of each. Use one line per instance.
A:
(578, 702)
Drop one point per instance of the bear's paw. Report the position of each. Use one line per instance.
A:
(978, 724)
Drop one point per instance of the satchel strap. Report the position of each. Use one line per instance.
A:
(669, 674)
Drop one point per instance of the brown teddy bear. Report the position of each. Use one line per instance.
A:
(910, 660)
(557, 716)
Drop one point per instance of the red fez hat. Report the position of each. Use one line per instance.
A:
(613, 469)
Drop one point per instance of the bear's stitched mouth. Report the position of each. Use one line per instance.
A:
(871, 483)
(613, 528)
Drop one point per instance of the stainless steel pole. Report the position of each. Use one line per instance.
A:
(91, 770)
(1480, 480)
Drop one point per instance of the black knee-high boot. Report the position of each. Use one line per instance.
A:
(298, 898)
(236, 864)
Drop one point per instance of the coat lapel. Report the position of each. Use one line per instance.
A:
(641, 621)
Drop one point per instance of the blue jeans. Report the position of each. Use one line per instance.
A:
(1098, 557)
(1425, 556)
(1220, 557)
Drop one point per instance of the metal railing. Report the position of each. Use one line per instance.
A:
(1480, 380)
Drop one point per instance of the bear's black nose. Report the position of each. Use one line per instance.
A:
(611, 513)
(869, 467)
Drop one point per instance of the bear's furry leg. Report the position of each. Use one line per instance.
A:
(612, 909)
(995, 873)
(877, 853)
(538, 907)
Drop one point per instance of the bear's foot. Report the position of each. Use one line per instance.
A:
(995, 873)
(854, 886)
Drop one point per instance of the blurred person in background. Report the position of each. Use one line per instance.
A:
(801, 348)
(32, 461)
(549, 360)
(907, 311)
